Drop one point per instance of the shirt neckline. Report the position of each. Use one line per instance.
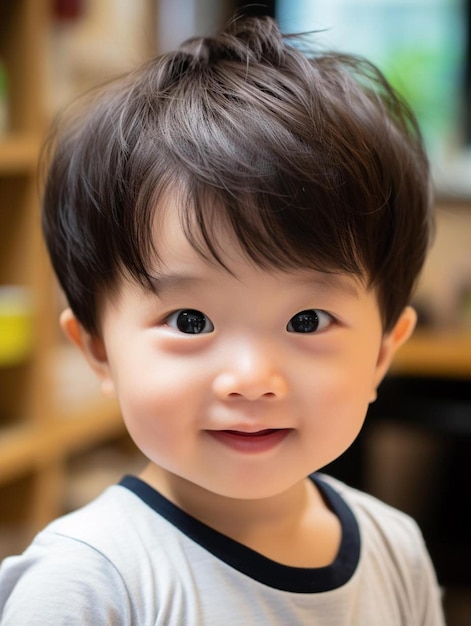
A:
(250, 562)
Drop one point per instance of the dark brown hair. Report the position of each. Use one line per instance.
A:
(313, 161)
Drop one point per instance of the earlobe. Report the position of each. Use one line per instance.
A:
(92, 347)
(391, 342)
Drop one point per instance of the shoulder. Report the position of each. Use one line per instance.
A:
(114, 557)
(55, 574)
(72, 562)
(393, 549)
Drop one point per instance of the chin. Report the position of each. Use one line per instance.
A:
(258, 489)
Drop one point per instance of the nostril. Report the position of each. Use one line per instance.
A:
(236, 386)
(267, 395)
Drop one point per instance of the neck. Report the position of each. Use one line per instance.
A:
(281, 526)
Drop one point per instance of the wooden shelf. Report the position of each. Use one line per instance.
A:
(89, 426)
(18, 451)
(19, 153)
(441, 353)
(30, 447)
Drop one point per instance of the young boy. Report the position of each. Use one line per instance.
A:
(238, 231)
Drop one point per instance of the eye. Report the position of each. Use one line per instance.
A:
(309, 321)
(190, 322)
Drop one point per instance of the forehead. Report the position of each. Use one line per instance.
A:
(182, 232)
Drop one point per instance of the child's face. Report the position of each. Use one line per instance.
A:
(217, 382)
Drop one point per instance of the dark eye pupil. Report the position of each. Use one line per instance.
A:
(305, 322)
(192, 322)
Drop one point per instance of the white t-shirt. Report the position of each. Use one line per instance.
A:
(132, 557)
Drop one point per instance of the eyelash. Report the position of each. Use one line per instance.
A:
(309, 321)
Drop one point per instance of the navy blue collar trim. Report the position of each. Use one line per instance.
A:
(253, 564)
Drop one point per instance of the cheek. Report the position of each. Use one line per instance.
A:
(345, 373)
(157, 403)
(337, 405)
(340, 405)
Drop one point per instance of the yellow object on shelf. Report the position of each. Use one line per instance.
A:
(16, 325)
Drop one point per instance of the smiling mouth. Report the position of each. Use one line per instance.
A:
(251, 442)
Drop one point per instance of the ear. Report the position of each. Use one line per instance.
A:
(392, 341)
(92, 347)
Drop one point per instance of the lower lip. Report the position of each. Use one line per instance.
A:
(261, 441)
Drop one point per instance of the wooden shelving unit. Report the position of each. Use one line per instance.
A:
(40, 430)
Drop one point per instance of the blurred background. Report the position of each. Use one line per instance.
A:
(60, 442)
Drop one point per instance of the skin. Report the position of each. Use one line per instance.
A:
(234, 419)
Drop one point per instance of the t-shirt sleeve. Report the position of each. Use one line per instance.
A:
(62, 581)
(429, 593)
(394, 549)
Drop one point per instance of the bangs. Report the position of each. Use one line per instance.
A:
(274, 231)
(277, 227)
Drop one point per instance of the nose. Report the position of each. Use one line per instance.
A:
(251, 373)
